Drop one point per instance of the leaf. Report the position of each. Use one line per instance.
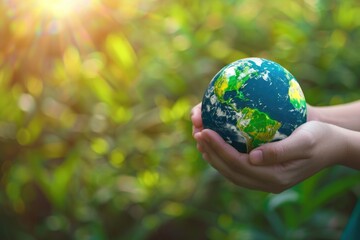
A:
(333, 189)
(56, 184)
(120, 50)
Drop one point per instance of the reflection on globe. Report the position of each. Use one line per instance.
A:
(253, 101)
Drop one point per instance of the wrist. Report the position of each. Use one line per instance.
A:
(336, 144)
(352, 149)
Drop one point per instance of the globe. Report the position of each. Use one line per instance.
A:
(253, 101)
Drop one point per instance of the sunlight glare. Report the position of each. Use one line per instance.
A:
(61, 8)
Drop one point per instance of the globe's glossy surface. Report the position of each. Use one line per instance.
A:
(253, 101)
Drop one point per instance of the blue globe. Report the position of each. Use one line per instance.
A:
(253, 101)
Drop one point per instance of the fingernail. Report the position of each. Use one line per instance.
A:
(256, 157)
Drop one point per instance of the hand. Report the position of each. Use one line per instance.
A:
(312, 114)
(343, 115)
(273, 167)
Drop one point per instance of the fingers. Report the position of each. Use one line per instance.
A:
(234, 159)
(297, 146)
(211, 156)
(196, 119)
(235, 165)
(221, 148)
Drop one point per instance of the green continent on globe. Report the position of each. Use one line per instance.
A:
(231, 79)
(257, 127)
(296, 96)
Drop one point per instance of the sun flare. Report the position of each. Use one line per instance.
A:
(45, 30)
(61, 8)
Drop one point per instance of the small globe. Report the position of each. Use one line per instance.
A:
(253, 101)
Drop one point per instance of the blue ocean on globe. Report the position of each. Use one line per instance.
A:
(253, 101)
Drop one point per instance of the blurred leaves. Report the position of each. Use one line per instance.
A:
(94, 117)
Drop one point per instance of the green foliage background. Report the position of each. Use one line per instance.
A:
(94, 118)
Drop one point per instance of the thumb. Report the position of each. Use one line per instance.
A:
(268, 154)
(296, 146)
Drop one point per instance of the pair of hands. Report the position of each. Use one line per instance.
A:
(274, 167)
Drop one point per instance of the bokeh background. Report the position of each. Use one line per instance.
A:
(95, 133)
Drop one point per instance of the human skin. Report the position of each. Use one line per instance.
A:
(330, 137)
